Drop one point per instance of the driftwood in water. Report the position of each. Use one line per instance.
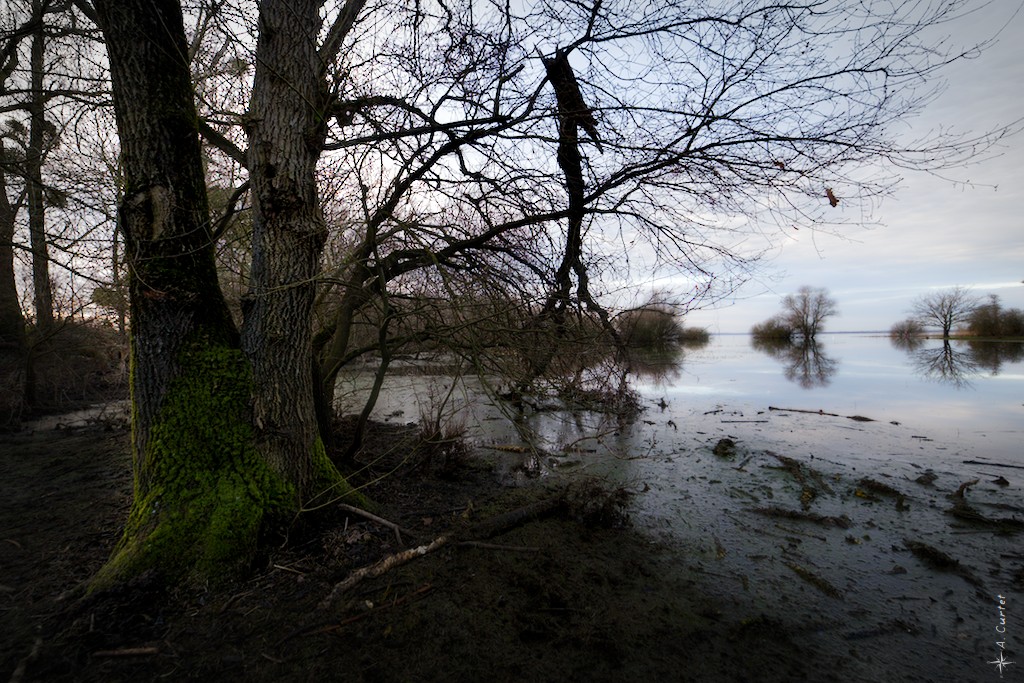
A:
(856, 418)
(992, 464)
(936, 559)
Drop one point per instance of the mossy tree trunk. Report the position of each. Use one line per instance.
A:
(207, 478)
(287, 124)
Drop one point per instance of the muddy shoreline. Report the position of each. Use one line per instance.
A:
(807, 547)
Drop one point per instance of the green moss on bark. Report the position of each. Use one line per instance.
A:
(203, 493)
(330, 485)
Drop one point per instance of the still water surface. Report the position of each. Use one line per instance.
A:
(967, 397)
(937, 413)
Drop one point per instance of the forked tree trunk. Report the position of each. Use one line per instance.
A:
(224, 442)
(202, 490)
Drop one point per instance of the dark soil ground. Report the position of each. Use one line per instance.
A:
(571, 595)
(564, 597)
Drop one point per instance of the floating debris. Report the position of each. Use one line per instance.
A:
(725, 448)
(936, 559)
(842, 522)
(856, 418)
(815, 580)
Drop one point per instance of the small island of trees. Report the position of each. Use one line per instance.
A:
(803, 317)
(958, 312)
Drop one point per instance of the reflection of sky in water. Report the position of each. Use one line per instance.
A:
(872, 378)
(982, 419)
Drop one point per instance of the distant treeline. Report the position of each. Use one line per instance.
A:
(992, 320)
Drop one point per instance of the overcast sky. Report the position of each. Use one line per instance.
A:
(934, 233)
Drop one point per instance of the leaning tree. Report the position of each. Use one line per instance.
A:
(523, 151)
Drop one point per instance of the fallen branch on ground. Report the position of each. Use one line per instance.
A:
(127, 652)
(936, 559)
(815, 580)
(497, 546)
(485, 529)
(379, 520)
(381, 567)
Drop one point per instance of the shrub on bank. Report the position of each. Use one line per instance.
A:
(773, 330)
(906, 329)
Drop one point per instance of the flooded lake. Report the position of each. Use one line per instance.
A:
(862, 499)
(970, 396)
(968, 399)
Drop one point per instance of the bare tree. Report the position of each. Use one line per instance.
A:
(945, 308)
(466, 158)
(805, 311)
(455, 155)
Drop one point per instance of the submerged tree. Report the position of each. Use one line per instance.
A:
(945, 308)
(455, 154)
(808, 309)
(803, 315)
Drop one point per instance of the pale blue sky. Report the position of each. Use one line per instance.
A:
(934, 233)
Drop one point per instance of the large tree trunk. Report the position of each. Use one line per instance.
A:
(34, 179)
(224, 442)
(12, 323)
(286, 131)
(202, 490)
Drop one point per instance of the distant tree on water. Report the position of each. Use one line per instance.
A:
(803, 315)
(945, 308)
(992, 320)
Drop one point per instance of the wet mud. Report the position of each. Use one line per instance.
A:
(809, 547)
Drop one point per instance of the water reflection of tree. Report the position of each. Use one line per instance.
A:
(660, 366)
(907, 342)
(945, 364)
(956, 365)
(805, 362)
(992, 355)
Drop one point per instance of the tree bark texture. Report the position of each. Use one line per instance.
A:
(37, 144)
(202, 492)
(286, 129)
(12, 323)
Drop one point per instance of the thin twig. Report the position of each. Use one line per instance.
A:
(498, 546)
(379, 520)
(381, 567)
(127, 652)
